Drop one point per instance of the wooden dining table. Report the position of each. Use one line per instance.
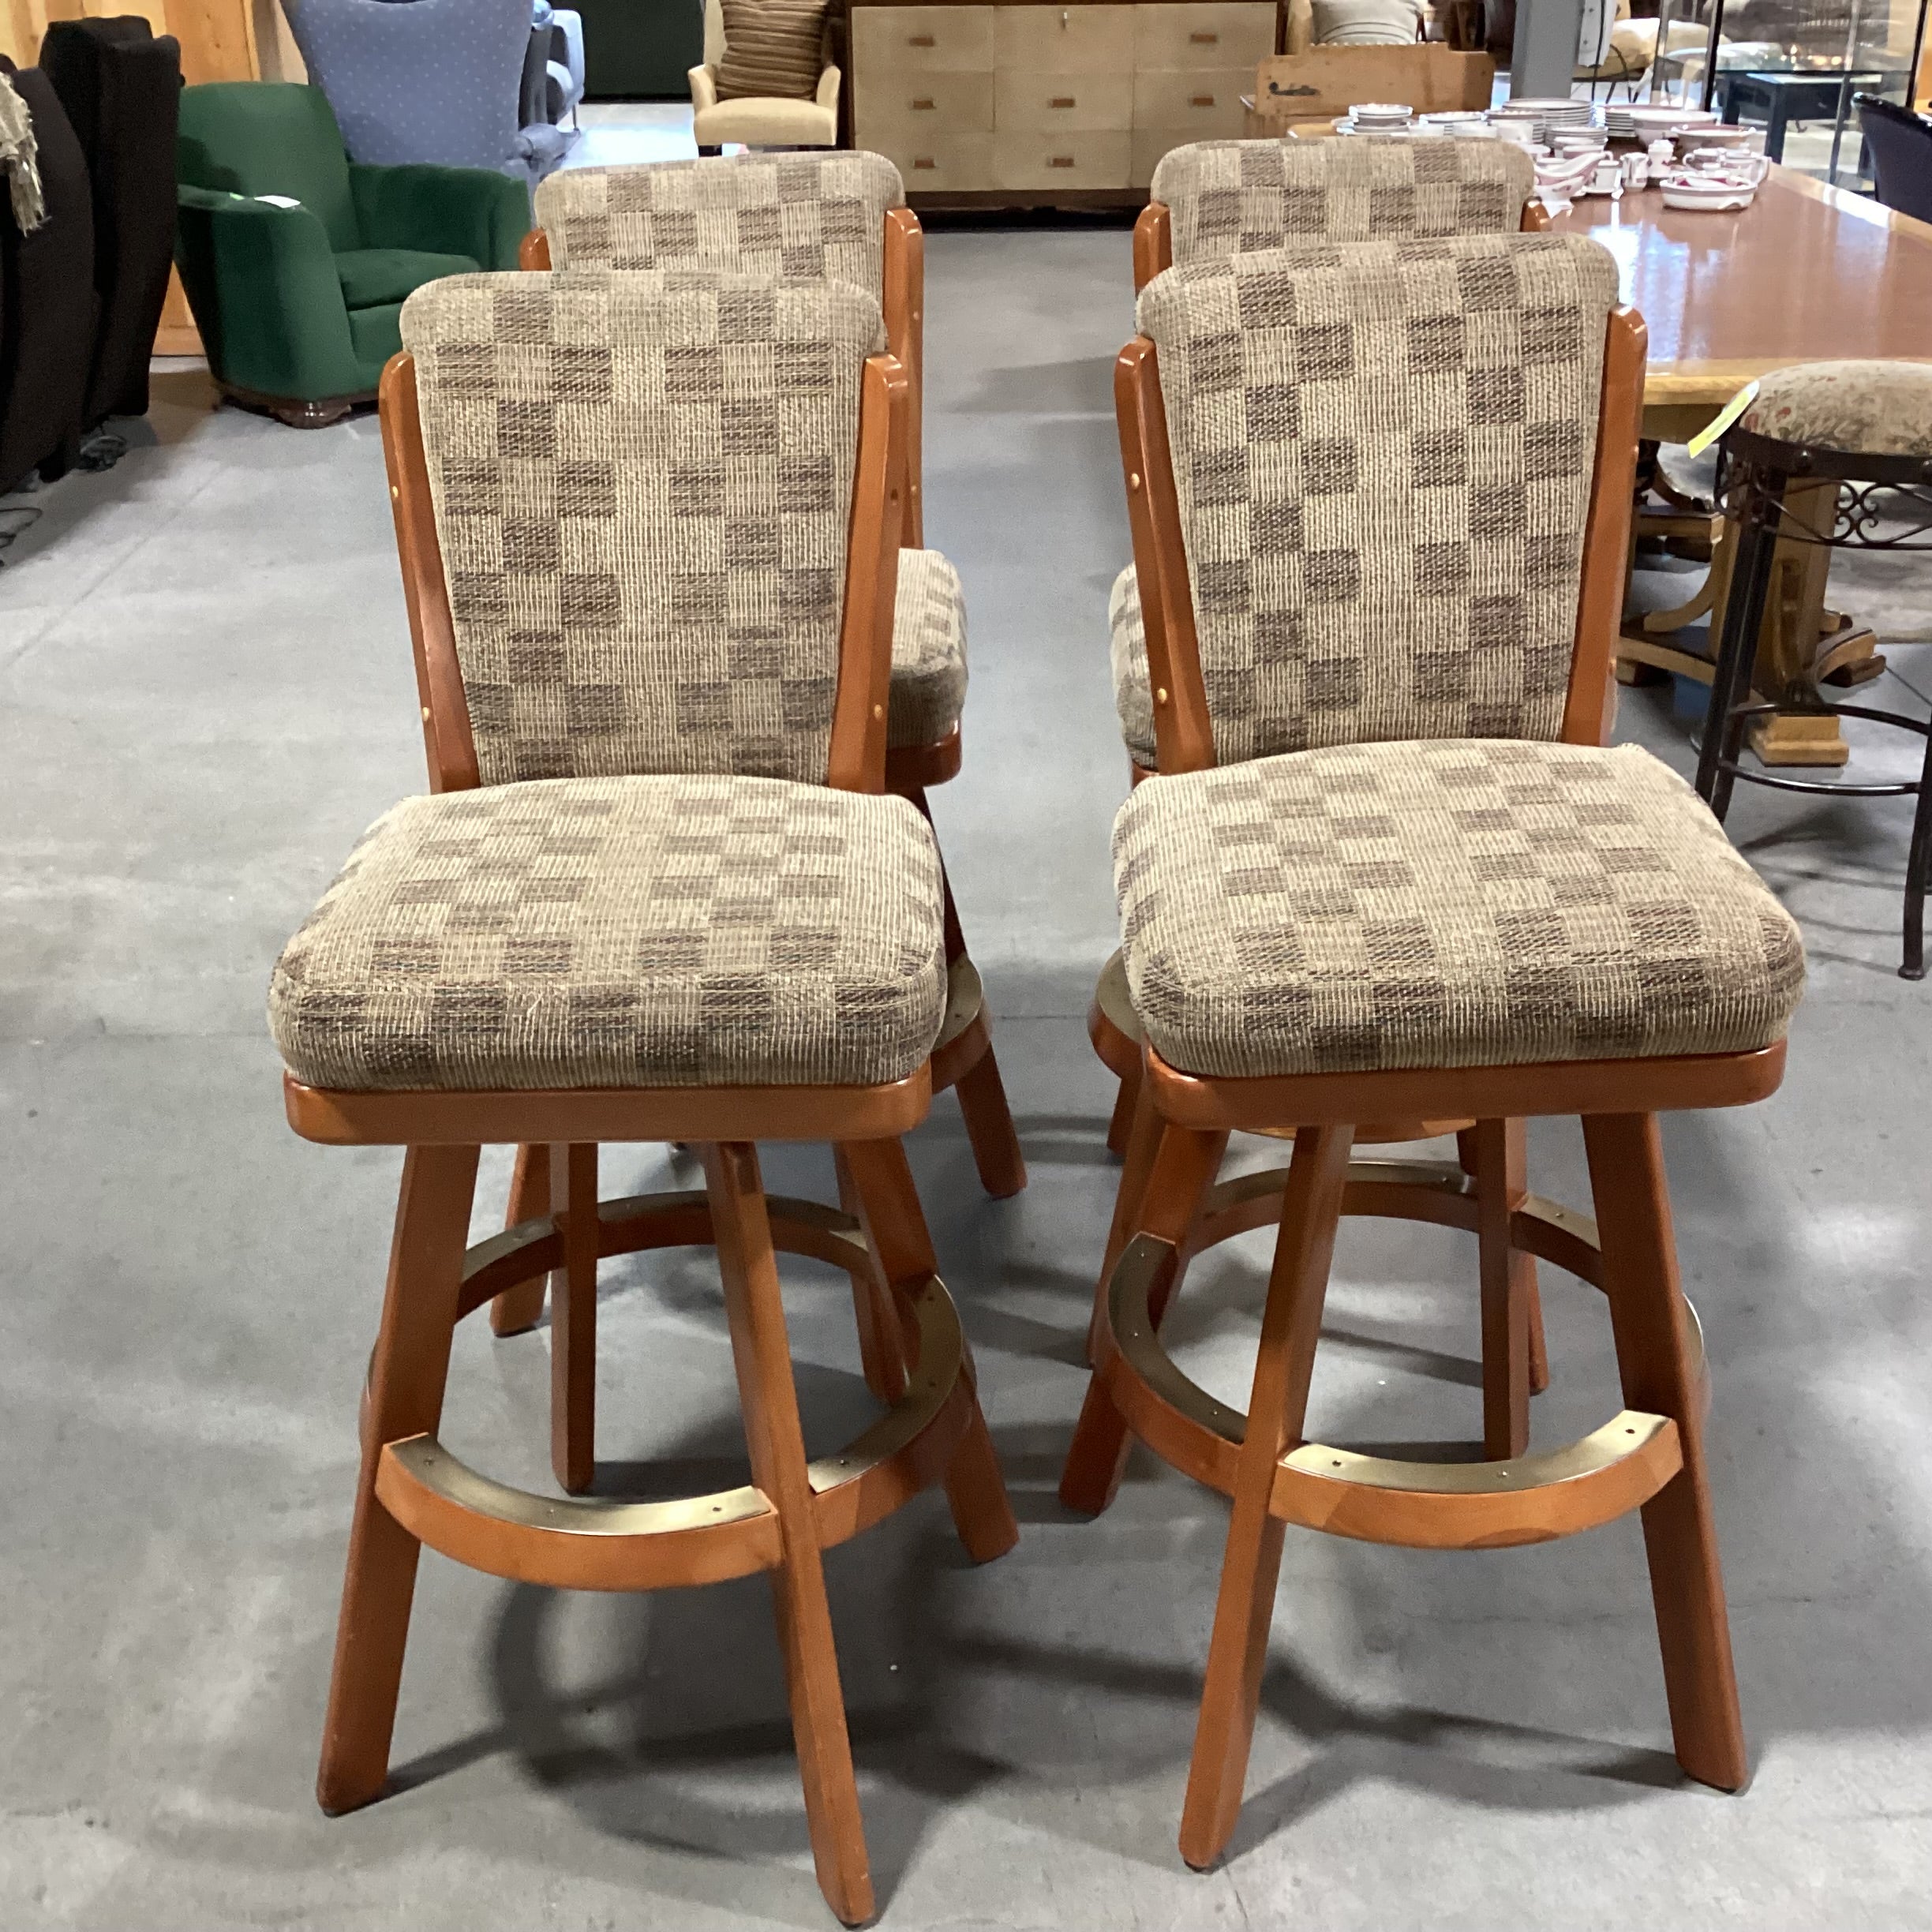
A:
(1807, 273)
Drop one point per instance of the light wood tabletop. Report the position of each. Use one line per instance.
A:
(1806, 274)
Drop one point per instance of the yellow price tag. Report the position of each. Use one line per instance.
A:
(1723, 420)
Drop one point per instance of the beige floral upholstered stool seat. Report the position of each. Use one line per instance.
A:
(1211, 200)
(1836, 454)
(1389, 871)
(603, 927)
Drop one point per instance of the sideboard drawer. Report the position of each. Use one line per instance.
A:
(1224, 33)
(1068, 39)
(1070, 160)
(943, 164)
(1047, 103)
(891, 110)
(921, 39)
(1207, 102)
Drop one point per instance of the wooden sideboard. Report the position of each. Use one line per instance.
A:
(1042, 104)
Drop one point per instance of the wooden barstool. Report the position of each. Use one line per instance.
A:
(843, 216)
(561, 960)
(1836, 455)
(1211, 200)
(1492, 922)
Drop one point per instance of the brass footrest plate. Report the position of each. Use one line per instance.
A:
(1422, 1505)
(593, 1542)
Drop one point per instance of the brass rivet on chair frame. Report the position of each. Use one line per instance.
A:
(878, 711)
(1160, 696)
(1133, 479)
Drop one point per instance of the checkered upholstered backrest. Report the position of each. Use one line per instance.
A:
(800, 214)
(1384, 455)
(643, 485)
(1231, 196)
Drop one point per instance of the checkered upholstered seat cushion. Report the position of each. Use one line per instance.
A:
(803, 215)
(929, 651)
(1133, 688)
(685, 931)
(1442, 905)
(1868, 409)
(1382, 453)
(1228, 196)
(643, 487)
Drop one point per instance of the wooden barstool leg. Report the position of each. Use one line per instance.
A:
(990, 1128)
(1647, 1319)
(882, 1334)
(1244, 1607)
(521, 1307)
(1120, 1122)
(1501, 1263)
(1142, 1143)
(761, 1353)
(573, 1319)
(1508, 1286)
(405, 1398)
(896, 1224)
(1184, 1167)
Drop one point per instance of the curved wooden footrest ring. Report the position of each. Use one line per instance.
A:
(1422, 1505)
(639, 1221)
(964, 1034)
(1438, 1191)
(595, 1544)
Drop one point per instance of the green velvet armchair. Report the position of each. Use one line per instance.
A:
(299, 306)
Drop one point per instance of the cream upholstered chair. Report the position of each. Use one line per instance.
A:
(840, 216)
(1381, 498)
(631, 546)
(759, 121)
(1215, 198)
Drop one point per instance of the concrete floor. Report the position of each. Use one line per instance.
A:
(205, 695)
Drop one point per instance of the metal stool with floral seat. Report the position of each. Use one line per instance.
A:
(548, 953)
(1501, 920)
(1866, 427)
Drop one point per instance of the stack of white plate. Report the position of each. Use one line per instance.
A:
(1646, 123)
(1461, 121)
(1380, 117)
(1546, 116)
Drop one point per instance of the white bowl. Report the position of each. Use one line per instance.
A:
(1706, 192)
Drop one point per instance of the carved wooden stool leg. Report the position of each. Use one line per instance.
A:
(406, 1377)
(989, 1127)
(1244, 1607)
(1648, 1319)
(1142, 1143)
(882, 1338)
(762, 1354)
(521, 1307)
(1502, 1186)
(895, 1225)
(1120, 1123)
(1184, 1167)
(573, 1319)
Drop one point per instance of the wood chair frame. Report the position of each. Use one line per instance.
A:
(412, 1492)
(1115, 1032)
(965, 1060)
(1153, 237)
(1650, 1457)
